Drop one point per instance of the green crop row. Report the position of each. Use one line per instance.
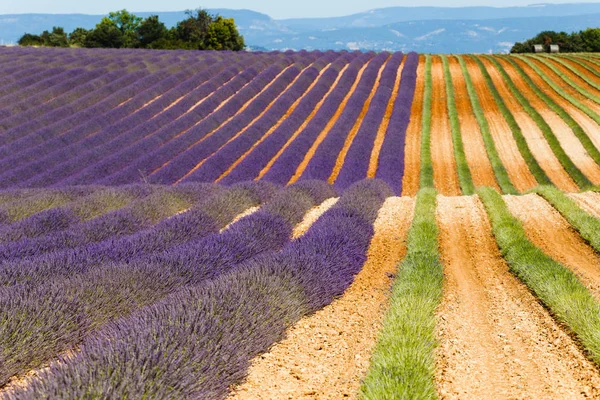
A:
(490, 147)
(426, 178)
(464, 173)
(580, 179)
(403, 362)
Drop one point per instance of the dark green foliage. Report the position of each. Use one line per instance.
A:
(121, 29)
(403, 363)
(577, 42)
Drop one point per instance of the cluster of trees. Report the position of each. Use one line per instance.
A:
(586, 41)
(121, 29)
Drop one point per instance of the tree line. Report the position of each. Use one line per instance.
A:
(122, 29)
(586, 41)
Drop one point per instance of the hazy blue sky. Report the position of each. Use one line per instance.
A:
(275, 8)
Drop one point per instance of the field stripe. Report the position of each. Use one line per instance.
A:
(245, 128)
(413, 147)
(466, 91)
(443, 161)
(381, 132)
(303, 126)
(511, 74)
(462, 166)
(352, 134)
(311, 152)
(288, 113)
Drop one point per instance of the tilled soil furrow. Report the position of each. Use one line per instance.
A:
(442, 148)
(496, 340)
(412, 150)
(549, 231)
(589, 201)
(326, 354)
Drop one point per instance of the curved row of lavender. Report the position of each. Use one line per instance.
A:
(112, 117)
(185, 321)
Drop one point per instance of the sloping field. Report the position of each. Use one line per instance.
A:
(214, 225)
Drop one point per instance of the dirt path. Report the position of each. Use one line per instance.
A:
(549, 231)
(496, 340)
(412, 149)
(563, 132)
(312, 216)
(477, 158)
(533, 134)
(326, 354)
(511, 157)
(445, 175)
(589, 201)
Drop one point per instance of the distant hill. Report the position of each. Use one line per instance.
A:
(423, 29)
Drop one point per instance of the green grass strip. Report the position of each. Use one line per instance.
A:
(555, 285)
(577, 129)
(580, 179)
(426, 178)
(403, 362)
(464, 173)
(586, 224)
(561, 60)
(490, 147)
(538, 173)
(559, 89)
(581, 61)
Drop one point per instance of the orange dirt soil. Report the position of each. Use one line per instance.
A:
(532, 133)
(445, 175)
(563, 132)
(511, 157)
(476, 154)
(289, 112)
(339, 162)
(374, 161)
(312, 215)
(496, 340)
(311, 152)
(589, 201)
(412, 147)
(326, 354)
(304, 124)
(549, 231)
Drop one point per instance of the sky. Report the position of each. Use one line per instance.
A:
(275, 8)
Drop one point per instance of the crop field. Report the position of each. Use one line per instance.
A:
(298, 225)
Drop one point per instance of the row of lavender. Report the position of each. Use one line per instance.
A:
(128, 296)
(166, 117)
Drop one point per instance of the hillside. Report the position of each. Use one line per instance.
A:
(275, 225)
(465, 29)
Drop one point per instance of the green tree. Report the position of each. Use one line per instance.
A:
(30, 40)
(78, 36)
(222, 34)
(150, 31)
(128, 24)
(105, 34)
(56, 38)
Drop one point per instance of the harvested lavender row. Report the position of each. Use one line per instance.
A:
(77, 245)
(189, 159)
(198, 342)
(391, 158)
(283, 169)
(105, 149)
(219, 162)
(356, 163)
(113, 290)
(212, 94)
(322, 163)
(253, 163)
